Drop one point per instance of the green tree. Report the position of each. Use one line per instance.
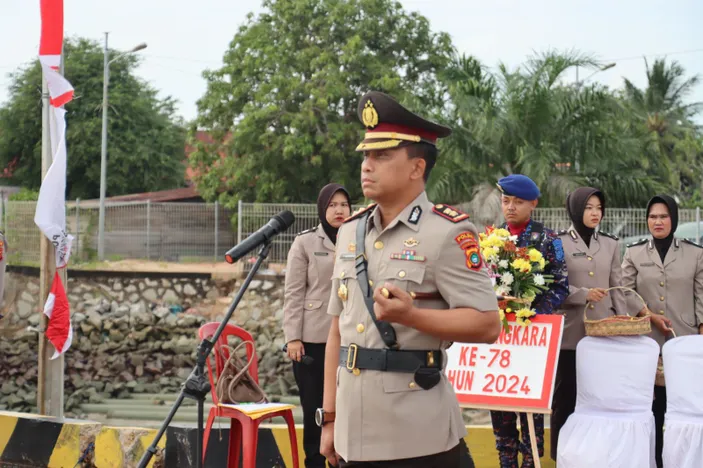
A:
(666, 121)
(530, 121)
(145, 145)
(284, 102)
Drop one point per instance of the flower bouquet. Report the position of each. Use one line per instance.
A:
(517, 273)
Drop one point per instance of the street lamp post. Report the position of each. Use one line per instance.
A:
(103, 146)
(603, 68)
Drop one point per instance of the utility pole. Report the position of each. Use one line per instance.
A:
(50, 378)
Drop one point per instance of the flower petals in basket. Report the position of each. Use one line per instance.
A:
(618, 325)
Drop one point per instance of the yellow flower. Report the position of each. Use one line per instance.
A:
(508, 310)
(525, 313)
(535, 255)
(522, 265)
(502, 233)
(525, 322)
(491, 241)
(501, 312)
(542, 263)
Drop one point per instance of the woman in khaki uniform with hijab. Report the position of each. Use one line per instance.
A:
(305, 320)
(593, 264)
(668, 273)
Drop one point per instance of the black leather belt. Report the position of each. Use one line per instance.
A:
(389, 360)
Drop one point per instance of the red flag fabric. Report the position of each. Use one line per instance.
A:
(59, 331)
(51, 27)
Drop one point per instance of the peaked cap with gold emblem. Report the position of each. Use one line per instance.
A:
(390, 125)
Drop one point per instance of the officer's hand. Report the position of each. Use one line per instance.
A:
(596, 294)
(327, 444)
(662, 323)
(296, 350)
(393, 308)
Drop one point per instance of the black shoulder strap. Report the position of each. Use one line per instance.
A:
(384, 328)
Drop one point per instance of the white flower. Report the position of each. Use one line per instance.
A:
(502, 290)
(503, 264)
(539, 279)
(513, 238)
(507, 278)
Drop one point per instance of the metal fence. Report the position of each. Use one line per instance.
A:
(183, 232)
(174, 232)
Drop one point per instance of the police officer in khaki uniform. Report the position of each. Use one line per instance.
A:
(593, 265)
(668, 273)
(306, 323)
(408, 281)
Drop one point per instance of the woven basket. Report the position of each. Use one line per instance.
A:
(618, 325)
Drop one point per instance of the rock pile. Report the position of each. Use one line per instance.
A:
(140, 346)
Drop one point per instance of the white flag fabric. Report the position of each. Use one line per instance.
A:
(50, 215)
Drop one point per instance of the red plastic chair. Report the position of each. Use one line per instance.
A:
(243, 429)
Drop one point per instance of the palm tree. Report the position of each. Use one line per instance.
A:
(669, 133)
(530, 121)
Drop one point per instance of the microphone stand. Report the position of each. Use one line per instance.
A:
(197, 385)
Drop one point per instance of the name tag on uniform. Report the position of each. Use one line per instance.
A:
(321, 254)
(579, 254)
(347, 256)
(647, 264)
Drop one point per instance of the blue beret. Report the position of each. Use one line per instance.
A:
(518, 185)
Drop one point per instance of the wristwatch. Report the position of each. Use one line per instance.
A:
(323, 417)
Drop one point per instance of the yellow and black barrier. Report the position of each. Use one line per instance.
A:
(31, 440)
(28, 440)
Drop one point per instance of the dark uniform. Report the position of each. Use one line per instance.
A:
(548, 243)
(394, 404)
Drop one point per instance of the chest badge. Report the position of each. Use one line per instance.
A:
(352, 247)
(343, 292)
(412, 242)
(410, 255)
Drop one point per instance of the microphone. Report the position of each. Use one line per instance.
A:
(276, 225)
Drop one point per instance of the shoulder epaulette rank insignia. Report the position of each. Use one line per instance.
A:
(307, 231)
(450, 213)
(607, 234)
(696, 244)
(360, 212)
(639, 242)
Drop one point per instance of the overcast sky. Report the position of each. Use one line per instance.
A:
(186, 37)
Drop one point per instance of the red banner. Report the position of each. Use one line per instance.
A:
(517, 370)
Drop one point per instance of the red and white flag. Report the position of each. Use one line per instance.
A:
(50, 48)
(50, 215)
(59, 331)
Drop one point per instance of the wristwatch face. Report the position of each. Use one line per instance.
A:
(319, 415)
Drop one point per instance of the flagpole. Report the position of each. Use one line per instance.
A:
(50, 379)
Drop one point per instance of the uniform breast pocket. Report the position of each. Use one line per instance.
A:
(312, 305)
(397, 382)
(407, 277)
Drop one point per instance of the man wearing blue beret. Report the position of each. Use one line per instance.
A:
(519, 196)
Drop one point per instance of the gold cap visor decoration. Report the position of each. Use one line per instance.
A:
(390, 125)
